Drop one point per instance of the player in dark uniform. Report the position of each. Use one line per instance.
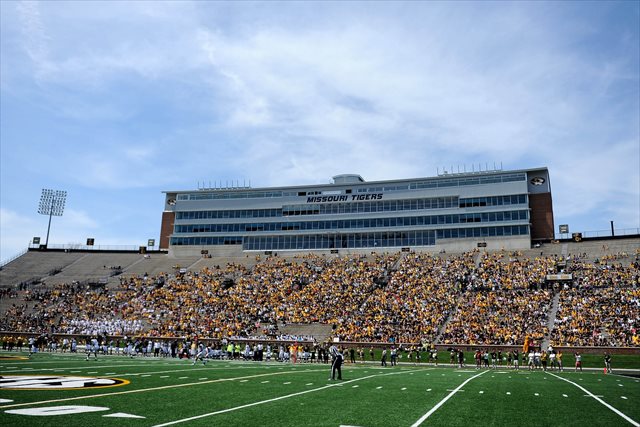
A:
(607, 363)
(336, 363)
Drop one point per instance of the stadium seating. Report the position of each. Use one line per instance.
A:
(471, 298)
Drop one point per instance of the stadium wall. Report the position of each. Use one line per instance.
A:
(447, 245)
(377, 345)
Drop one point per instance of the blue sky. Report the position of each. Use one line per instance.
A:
(116, 101)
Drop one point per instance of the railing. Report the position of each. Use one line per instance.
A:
(7, 261)
(601, 233)
(81, 247)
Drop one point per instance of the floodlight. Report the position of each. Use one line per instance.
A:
(51, 203)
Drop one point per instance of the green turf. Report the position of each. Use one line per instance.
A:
(627, 361)
(165, 390)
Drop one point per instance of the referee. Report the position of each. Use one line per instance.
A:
(336, 362)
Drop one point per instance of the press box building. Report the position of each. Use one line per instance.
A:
(454, 212)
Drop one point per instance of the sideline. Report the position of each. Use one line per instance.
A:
(248, 405)
(439, 404)
(86, 366)
(141, 390)
(635, 423)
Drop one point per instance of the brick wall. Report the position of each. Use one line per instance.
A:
(166, 229)
(542, 227)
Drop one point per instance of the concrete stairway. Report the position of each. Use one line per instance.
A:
(551, 320)
(319, 331)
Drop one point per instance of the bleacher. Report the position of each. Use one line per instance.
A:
(155, 264)
(94, 267)
(55, 267)
(64, 267)
(594, 249)
(312, 288)
(35, 265)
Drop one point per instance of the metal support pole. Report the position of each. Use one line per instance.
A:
(46, 244)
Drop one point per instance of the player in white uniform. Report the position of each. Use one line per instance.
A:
(202, 354)
(92, 347)
(32, 346)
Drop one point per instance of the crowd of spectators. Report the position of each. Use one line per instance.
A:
(499, 317)
(602, 316)
(505, 301)
(417, 298)
(8, 293)
(477, 298)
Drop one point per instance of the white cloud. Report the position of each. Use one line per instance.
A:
(72, 228)
(159, 94)
(36, 39)
(75, 219)
(603, 181)
(15, 233)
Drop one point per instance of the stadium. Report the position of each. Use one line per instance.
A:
(449, 299)
(505, 209)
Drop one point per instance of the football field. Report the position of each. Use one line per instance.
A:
(67, 390)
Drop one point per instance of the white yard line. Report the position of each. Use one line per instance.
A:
(248, 405)
(142, 390)
(129, 374)
(76, 367)
(628, 419)
(439, 404)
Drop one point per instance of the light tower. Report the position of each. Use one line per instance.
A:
(52, 203)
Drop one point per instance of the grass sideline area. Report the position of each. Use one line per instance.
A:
(619, 361)
(116, 391)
